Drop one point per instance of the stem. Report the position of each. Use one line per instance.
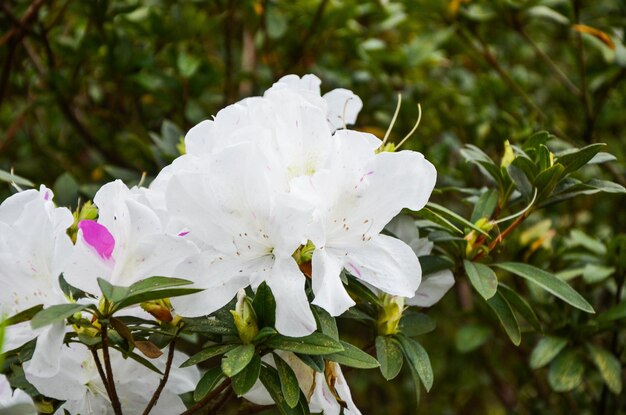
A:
(221, 402)
(205, 401)
(115, 401)
(501, 237)
(168, 366)
(96, 359)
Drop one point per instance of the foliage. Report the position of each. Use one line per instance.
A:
(517, 97)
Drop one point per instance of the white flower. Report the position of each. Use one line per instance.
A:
(359, 193)
(15, 402)
(248, 232)
(34, 248)
(79, 384)
(126, 244)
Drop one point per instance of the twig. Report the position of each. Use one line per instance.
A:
(317, 18)
(204, 401)
(18, 31)
(221, 402)
(498, 239)
(115, 401)
(166, 373)
(96, 359)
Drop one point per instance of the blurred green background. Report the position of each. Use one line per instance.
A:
(102, 89)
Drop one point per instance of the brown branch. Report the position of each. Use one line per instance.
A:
(221, 402)
(498, 239)
(115, 401)
(168, 366)
(208, 398)
(18, 31)
(96, 359)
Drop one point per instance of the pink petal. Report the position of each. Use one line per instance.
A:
(98, 237)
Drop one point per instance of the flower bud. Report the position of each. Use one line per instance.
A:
(390, 314)
(508, 156)
(160, 309)
(245, 318)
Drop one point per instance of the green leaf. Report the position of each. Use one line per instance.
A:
(112, 292)
(209, 352)
(521, 305)
(288, 382)
(482, 278)
(55, 314)
(155, 295)
(538, 138)
(245, 380)
(23, 315)
(271, 381)
(210, 325)
(546, 350)
(326, 322)
(547, 180)
(471, 337)
(566, 371)
(207, 383)
(519, 178)
(418, 359)
(485, 205)
(389, 354)
(609, 367)
(313, 344)
(505, 314)
(156, 283)
(5, 176)
(415, 324)
(352, 356)
(361, 291)
(237, 359)
(264, 306)
(548, 282)
(577, 159)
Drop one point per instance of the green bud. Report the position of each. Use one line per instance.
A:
(390, 314)
(304, 253)
(245, 318)
(508, 156)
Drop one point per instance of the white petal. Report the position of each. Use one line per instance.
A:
(221, 279)
(432, 289)
(343, 107)
(387, 263)
(14, 402)
(293, 312)
(199, 140)
(330, 293)
(46, 359)
(341, 386)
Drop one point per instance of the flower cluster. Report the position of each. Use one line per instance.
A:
(275, 189)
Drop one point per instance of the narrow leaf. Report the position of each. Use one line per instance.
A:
(546, 350)
(418, 359)
(208, 353)
(566, 372)
(483, 279)
(609, 367)
(520, 305)
(237, 359)
(245, 380)
(23, 315)
(55, 313)
(264, 306)
(314, 344)
(504, 313)
(288, 382)
(352, 356)
(548, 282)
(389, 354)
(207, 383)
